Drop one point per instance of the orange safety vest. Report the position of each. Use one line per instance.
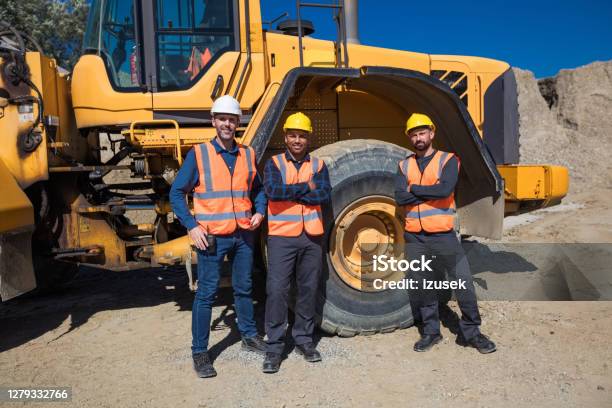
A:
(289, 218)
(432, 215)
(221, 201)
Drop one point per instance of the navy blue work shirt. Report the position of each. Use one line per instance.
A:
(277, 190)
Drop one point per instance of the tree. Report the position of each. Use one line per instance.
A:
(57, 25)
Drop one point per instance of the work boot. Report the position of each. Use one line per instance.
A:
(309, 352)
(256, 344)
(427, 341)
(271, 363)
(480, 342)
(202, 365)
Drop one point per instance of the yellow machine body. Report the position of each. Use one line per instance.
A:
(148, 93)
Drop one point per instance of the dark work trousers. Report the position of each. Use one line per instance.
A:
(448, 257)
(302, 256)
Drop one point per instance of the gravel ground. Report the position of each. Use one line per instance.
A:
(123, 340)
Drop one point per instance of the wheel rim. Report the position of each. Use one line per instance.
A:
(367, 227)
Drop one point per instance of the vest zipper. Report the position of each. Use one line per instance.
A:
(232, 190)
(301, 205)
(419, 205)
(420, 181)
(232, 195)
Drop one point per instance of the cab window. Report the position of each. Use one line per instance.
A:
(110, 34)
(190, 36)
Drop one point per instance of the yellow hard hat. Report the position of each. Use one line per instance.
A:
(298, 121)
(417, 120)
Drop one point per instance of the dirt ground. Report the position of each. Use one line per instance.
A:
(582, 217)
(122, 339)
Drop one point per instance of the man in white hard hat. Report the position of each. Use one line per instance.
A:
(223, 177)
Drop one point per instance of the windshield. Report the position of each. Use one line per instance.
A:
(187, 37)
(110, 34)
(190, 36)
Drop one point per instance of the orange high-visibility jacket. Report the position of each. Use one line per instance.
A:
(289, 218)
(221, 201)
(432, 215)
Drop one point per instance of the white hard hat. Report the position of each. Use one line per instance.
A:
(226, 104)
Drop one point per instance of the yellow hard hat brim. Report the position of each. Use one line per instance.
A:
(432, 127)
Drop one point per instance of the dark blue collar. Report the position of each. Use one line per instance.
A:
(426, 157)
(219, 148)
(289, 157)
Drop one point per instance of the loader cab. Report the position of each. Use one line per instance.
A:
(185, 38)
(166, 59)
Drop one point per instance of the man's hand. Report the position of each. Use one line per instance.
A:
(197, 236)
(409, 185)
(312, 185)
(256, 220)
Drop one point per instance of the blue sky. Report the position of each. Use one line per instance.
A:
(542, 36)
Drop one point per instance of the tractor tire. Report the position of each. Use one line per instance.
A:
(359, 169)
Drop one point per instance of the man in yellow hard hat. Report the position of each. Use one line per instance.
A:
(296, 184)
(424, 187)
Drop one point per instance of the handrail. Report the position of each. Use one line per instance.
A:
(247, 63)
(179, 156)
(341, 21)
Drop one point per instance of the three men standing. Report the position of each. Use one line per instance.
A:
(223, 178)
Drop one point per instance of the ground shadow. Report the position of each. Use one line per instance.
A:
(94, 290)
(227, 321)
(489, 258)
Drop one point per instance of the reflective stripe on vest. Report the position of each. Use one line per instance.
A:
(289, 218)
(427, 213)
(221, 200)
(432, 215)
(221, 194)
(296, 217)
(222, 216)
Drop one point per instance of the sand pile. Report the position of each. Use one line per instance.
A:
(567, 120)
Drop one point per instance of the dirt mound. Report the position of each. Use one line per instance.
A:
(542, 139)
(583, 99)
(566, 120)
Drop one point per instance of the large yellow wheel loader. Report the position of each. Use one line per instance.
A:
(146, 81)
